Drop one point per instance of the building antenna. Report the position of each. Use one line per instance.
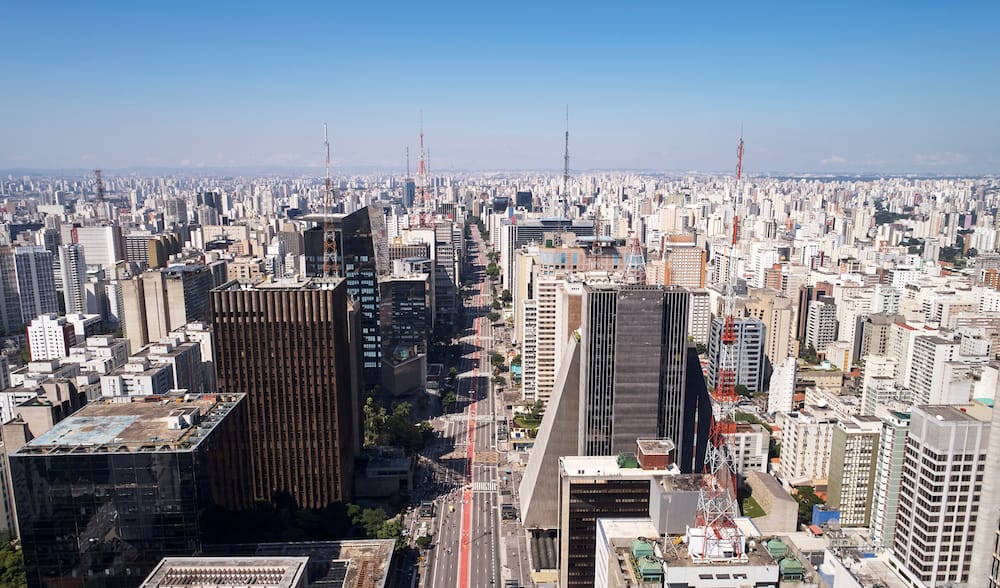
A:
(407, 161)
(99, 187)
(422, 165)
(331, 267)
(717, 502)
(566, 169)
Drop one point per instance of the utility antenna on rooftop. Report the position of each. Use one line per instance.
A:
(565, 189)
(331, 267)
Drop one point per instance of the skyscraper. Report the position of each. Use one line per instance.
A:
(363, 256)
(943, 466)
(286, 345)
(633, 366)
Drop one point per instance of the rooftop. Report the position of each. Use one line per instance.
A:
(294, 283)
(203, 572)
(144, 425)
(594, 466)
(656, 446)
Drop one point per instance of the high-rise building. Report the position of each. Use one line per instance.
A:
(633, 366)
(888, 475)
(107, 492)
(985, 569)
(36, 283)
(854, 451)
(73, 269)
(157, 302)
(750, 339)
(943, 467)
(50, 337)
(287, 346)
(363, 256)
(821, 325)
(102, 245)
(592, 488)
(807, 294)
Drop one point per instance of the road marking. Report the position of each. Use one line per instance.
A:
(484, 486)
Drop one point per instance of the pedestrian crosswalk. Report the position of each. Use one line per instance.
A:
(484, 486)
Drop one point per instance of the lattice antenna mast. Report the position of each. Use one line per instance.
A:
(99, 187)
(331, 266)
(717, 503)
(565, 190)
(422, 165)
(407, 161)
(595, 246)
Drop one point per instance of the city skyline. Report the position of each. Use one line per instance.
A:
(846, 89)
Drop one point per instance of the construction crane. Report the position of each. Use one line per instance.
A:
(331, 266)
(720, 538)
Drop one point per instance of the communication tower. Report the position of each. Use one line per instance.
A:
(331, 266)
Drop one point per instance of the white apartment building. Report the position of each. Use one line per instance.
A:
(50, 337)
(821, 325)
(943, 468)
(748, 447)
(805, 445)
(781, 394)
(529, 349)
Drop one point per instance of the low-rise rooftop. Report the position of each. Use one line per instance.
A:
(146, 424)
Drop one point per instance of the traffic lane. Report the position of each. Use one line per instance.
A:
(484, 542)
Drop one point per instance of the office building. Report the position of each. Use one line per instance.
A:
(591, 488)
(633, 366)
(36, 285)
(102, 245)
(363, 257)
(776, 312)
(750, 340)
(683, 262)
(287, 346)
(107, 492)
(943, 468)
(985, 570)
(854, 452)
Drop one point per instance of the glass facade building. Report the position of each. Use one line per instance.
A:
(108, 492)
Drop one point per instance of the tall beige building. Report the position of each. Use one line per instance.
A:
(777, 313)
(853, 457)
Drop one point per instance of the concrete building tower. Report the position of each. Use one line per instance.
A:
(287, 346)
(853, 456)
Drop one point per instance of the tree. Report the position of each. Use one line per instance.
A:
(499, 380)
(371, 520)
(496, 305)
(702, 348)
(452, 373)
(516, 360)
(806, 497)
(506, 296)
(808, 353)
(448, 399)
(492, 270)
(11, 567)
(423, 542)
(375, 422)
(493, 316)
(743, 390)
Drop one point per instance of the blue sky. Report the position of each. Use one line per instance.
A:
(834, 86)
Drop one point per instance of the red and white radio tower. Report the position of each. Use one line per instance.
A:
(716, 536)
(422, 183)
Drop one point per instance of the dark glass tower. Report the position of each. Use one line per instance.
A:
(363, 256)
(106, 493)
